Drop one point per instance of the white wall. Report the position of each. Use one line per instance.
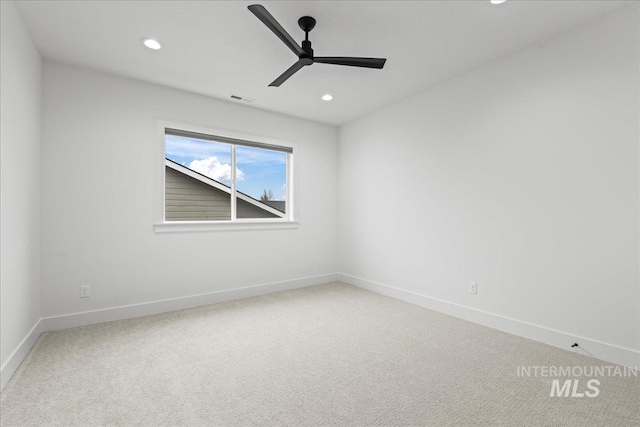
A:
(522, 176)
(99, 148)
(20, 131)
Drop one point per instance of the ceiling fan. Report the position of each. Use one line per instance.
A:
(305, 53)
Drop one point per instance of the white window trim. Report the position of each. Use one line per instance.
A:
(239, 224)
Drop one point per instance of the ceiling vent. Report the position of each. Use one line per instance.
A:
(241, 98)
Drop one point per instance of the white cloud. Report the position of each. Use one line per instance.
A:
(212, 168)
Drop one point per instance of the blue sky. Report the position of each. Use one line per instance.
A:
(256, 169)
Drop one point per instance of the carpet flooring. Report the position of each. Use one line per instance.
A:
(332, 355)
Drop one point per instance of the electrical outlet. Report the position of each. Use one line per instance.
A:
(84, 291)
(319, 262)
(473, 288)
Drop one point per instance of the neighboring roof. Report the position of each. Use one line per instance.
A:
(220, 186)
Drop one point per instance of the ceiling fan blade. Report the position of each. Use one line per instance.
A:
(268, 20)
(352, 62)
(290, 72)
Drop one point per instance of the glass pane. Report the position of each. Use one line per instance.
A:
(197, 180)
(261, 181)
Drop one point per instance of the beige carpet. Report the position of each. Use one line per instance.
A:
(325, 355)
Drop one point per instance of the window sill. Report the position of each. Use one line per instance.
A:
(210, 226)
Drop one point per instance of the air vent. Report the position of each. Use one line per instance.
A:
(241, 98)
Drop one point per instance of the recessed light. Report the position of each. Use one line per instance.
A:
(497, 1)
(152, 43)
(327, 97)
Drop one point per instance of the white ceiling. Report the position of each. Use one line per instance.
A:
(219, 48)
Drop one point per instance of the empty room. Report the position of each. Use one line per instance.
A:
(320, 213)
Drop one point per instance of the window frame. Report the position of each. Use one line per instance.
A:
(233, 138)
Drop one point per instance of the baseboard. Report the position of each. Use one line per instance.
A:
(589, 347)
(13, 362)
(136, 310)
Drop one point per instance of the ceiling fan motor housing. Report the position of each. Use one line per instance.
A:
(308, 57)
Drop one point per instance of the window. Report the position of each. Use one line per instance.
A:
(218, 179)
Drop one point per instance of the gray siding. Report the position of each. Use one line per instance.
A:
(277, 204)
(247, 210)
(187, 199)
